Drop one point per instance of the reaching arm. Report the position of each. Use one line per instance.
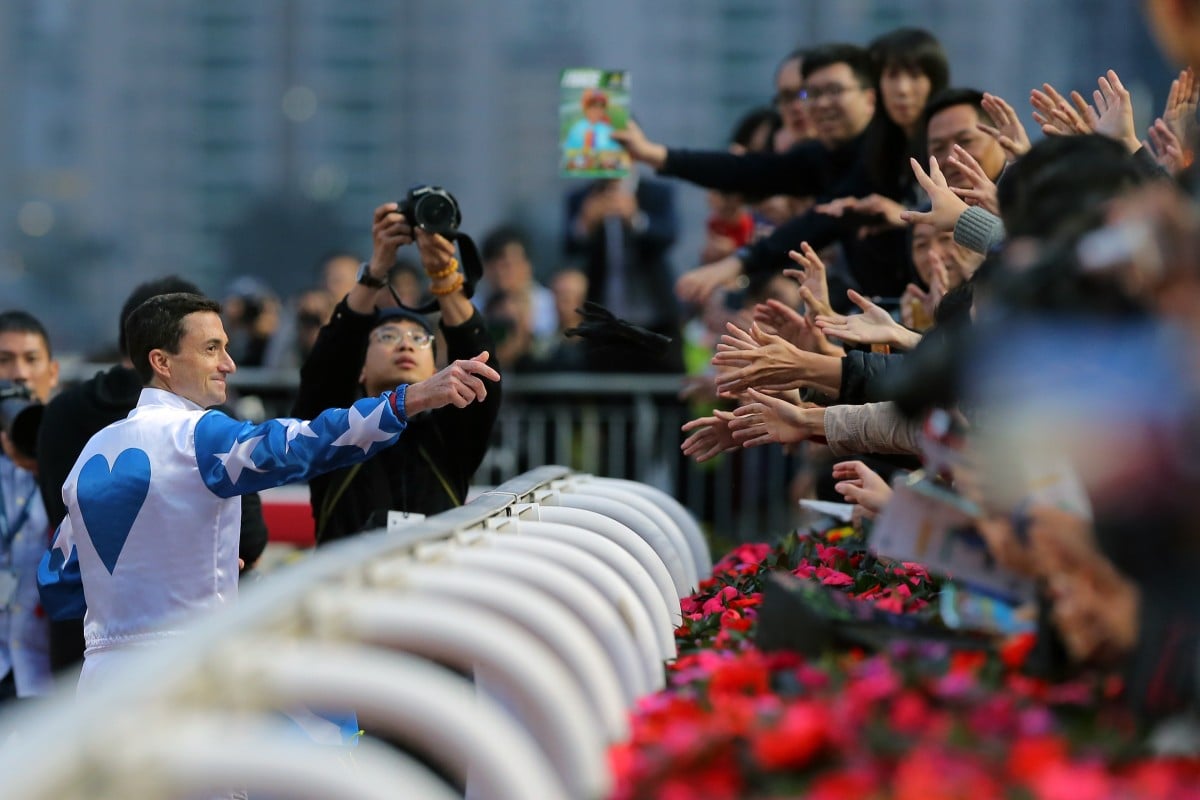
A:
(876, 428)
(59, 582)
(240, 457)
(799, 171)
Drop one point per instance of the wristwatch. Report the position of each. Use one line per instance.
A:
(367, 279)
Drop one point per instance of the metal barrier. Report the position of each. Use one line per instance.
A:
(511, 688)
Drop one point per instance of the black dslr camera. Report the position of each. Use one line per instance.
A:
(432, 209)
(20, 416)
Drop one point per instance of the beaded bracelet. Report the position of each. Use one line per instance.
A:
(450, 269)
(451, 289)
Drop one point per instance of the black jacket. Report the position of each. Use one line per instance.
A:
(879, 263)
(863, 377)
(808, 169)
(429, 469)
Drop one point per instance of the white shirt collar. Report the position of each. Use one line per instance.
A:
(161, 397)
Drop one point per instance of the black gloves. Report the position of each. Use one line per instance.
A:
(606, 330)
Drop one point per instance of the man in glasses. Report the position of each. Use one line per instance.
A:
(370, 345)
(838, 97)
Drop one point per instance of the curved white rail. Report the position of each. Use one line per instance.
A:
(468, 638)
(575, 593)
(532, 609)
(666, 612)
(617, 589)
(408, 698)
(582, 513)
(624, 497)
(679, 513)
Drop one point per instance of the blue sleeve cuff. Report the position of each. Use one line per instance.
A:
(398, 397)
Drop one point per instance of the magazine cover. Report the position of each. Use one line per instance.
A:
(593, 103)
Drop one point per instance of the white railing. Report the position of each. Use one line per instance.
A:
(500, 643)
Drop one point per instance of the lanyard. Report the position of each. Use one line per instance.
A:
(7, 532)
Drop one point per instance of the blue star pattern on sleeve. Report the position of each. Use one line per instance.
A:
(296, 428)
(240, 457)
(59, 582)
(363, 431)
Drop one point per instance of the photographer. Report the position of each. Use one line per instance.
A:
(28, 374)
(367, 345)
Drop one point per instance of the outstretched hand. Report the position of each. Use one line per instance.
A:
(755, 358)
(1180, 111)
(982, 191)
(458, 384)
(887, 213)
(860, 484)
(946, 207)
(772, 420)
(1055, 115)
(1111, 115)
(873, 326)
(698, 285)
(814, 285)
(1008, 132)
(785, 321)
(1168, 151)
(639, 146)
(709, 436)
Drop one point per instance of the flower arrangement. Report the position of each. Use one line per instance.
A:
(918, 719)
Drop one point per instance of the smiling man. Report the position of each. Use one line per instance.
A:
(153, 502)
(365, 349)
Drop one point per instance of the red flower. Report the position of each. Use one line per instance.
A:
(927, 774)
(1032, 756)
(909, 713)
(746, 601)
(732, 620)
(1016, 649)
(746, 674)
(844, 785)
(794, 741)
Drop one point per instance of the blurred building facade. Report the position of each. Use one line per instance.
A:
(217, 138)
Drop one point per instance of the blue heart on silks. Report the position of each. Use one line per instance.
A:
(110, 500)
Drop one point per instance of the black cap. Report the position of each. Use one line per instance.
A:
(385, 315)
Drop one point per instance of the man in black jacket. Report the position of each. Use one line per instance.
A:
(839, 87)
(366, 347)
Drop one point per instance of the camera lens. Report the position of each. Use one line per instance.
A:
(436, 213)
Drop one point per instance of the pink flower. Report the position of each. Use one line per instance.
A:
(891, 604)
(833, 577)
(1072, 782)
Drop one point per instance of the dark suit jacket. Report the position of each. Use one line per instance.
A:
(644, 254)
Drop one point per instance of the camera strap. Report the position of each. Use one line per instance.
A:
(472, 268)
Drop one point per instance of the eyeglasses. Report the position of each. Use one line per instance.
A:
(785, 96)
(391, 336)
(832, 92)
